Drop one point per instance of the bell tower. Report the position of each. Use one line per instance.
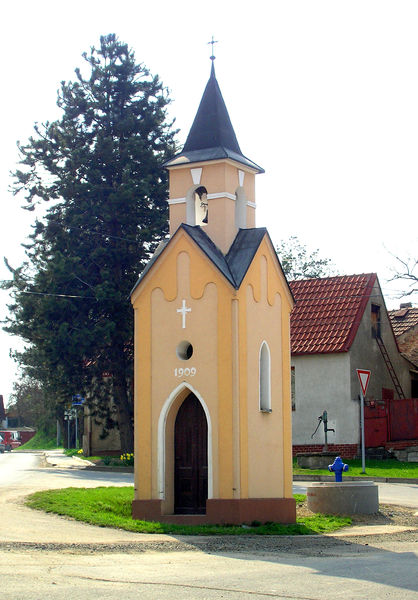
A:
(212, 184)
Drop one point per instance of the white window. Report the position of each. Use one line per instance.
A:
(265, 377)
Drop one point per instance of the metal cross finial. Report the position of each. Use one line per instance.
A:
(213, 42)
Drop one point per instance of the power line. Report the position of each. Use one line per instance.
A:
(55, 295)
(90, 231)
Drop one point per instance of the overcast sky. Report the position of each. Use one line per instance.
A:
(322, 94)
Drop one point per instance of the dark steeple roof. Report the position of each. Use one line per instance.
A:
(211, 136)
(212, 126)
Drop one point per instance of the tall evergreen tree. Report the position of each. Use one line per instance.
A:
(99, 165)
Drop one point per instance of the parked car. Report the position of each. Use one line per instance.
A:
(2, 445)
(10, 440)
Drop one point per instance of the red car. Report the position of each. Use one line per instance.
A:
(10, 440)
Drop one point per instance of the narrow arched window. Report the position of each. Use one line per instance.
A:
(240, 209)
(265, 378)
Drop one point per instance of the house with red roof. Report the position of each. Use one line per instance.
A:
(341, 324)
(405, 327)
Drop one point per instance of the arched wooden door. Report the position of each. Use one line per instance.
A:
(191, 458)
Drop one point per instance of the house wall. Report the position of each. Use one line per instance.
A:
(365, 354)
(93, 443)
(408, 341)
(322, 382)
(408, 344)
(266, 320)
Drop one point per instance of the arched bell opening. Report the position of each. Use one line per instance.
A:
(197, 206)
(185, 453)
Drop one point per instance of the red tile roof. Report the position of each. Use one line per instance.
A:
(405, 327)
(328, 312)
(403, 319)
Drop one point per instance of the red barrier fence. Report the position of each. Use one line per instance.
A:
(390, 420)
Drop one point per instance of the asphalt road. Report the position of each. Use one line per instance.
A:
(47, 557)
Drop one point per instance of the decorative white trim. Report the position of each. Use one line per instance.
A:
(252, 204)
(241, 176)
(196, 175)
(221, 195)
(176, 200)
(209, 197)
(162, 422)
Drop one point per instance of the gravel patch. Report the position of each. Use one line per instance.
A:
(305, 545)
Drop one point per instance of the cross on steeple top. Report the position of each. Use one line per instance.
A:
(213, 42)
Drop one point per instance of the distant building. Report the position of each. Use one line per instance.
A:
(405, 327)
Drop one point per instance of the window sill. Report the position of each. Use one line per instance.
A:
(266, 410)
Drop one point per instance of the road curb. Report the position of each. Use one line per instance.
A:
(412, 481)
(110, 469)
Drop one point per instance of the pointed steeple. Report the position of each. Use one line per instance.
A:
(212, 126)
(212, 136)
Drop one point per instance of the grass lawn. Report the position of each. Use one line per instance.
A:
(40, 441)
(374, 468)
(126, 460)
(111, 507)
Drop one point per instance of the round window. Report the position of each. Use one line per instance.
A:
(184, 350)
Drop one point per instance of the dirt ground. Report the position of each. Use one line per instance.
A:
(388, 515)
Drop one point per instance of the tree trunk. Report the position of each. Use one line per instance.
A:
(125, 414)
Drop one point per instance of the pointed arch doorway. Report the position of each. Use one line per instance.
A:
(190, 458)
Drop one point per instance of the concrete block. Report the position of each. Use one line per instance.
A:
(345, 498)
(315, 460)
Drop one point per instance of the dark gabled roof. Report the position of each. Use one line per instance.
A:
(210, 249)
(233, 266)
(161, 246)
(242, 251)
(211, 136)
(328, 312)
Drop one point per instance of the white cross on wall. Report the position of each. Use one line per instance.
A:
(183, 310)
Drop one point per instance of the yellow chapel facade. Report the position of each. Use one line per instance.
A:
(212, 345)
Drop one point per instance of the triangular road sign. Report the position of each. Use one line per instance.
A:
(364, 377)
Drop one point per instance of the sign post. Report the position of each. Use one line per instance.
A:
(78, 400)
(364, 377)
